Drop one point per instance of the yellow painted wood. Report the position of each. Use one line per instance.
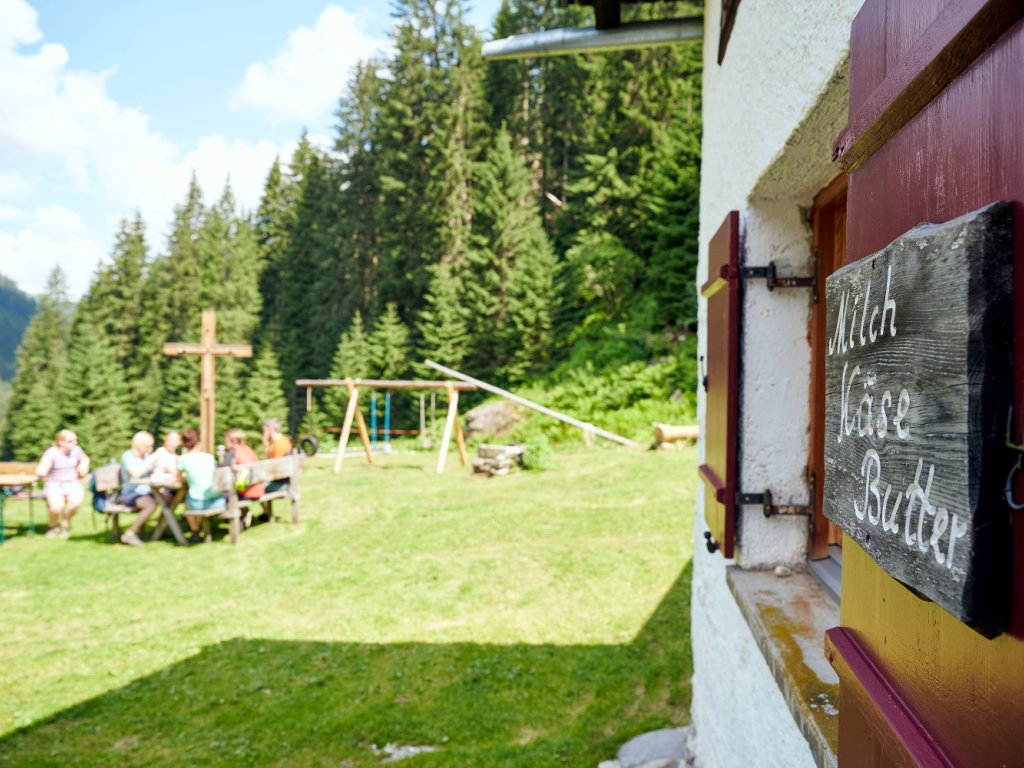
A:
(966, 690)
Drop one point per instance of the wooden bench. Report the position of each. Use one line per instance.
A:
(227, 480)
(107, 479)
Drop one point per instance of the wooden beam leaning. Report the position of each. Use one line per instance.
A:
(364, 435)
(585, 426)
(346, 426)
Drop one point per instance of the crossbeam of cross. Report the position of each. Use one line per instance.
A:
(208, 350)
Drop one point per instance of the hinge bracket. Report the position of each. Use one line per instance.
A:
(771, 509)
(769, 275)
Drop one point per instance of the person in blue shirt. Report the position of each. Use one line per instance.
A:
(197, 469)
(136, 464)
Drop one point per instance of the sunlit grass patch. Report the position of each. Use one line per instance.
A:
(535, 619)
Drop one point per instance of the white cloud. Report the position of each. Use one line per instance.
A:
(7, 213)
(54, 235)
(304, 80)
(12, 184)
(60, 128)
(17, 23)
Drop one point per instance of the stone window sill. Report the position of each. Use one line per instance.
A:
(788, 617)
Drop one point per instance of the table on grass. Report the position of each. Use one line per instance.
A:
(9, 482)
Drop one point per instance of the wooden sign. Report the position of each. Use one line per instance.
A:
(918, 387)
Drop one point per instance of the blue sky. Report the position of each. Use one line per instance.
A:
(107, 108)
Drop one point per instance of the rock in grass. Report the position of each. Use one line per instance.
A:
(658, 749)
(495, 417)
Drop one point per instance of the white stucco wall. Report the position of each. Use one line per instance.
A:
(770, 112)
(740, 718)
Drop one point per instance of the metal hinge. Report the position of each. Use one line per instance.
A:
(769, 275)
(771, 509)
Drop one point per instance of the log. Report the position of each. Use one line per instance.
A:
(670, 433)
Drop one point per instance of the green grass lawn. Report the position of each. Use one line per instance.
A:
(538, 619)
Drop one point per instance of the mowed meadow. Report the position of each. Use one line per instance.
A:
(538, 619)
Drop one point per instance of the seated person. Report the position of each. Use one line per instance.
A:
(276, 445)
(196, 468)
(136, 464)
(62, 468)
(165, 469)
(165, 458)
(239, 453)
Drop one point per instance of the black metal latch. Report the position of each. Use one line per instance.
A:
(771, 509)
(773, 280)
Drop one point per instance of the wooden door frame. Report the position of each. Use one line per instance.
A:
(829, 206)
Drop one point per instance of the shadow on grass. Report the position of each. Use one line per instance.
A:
(271, 702)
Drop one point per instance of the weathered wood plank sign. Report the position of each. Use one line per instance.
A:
(918, 383)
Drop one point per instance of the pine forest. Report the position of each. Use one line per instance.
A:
(532, 223)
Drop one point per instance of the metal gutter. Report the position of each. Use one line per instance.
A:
(559, 42)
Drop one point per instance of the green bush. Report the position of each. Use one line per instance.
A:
(537, 453)
(627, 398)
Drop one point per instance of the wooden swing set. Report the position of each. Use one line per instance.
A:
(452, 423)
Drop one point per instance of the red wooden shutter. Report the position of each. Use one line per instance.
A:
(722, 291)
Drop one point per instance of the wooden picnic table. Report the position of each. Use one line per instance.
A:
(163, 489)
(18, 478)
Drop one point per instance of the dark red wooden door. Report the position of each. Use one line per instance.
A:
(936, 130)
(722, 291)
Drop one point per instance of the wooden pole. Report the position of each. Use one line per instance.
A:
(423, 418)
(309, 399)
(208, 350)
(346, 427)
(207, 382)
(459, 439)
(364, 435)
(530, 404)
(449, 423)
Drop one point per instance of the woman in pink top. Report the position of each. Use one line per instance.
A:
(62, 468)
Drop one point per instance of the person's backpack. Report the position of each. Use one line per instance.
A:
(104, 483)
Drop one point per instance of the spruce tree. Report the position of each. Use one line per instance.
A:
(430, 118)
(114, 307)
(95, 394)
(175, 290)
(509, 285)
(274, 224)
(264, 391)
(304, 346)
(442, 325)
(673, 210)
(231, 263)
(34, 412)
(389, 344)
(349, 280)
(531, 299)
(353, 359)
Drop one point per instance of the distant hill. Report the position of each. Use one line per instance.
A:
(16, 309)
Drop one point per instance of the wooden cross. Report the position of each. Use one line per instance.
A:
(207, 349)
